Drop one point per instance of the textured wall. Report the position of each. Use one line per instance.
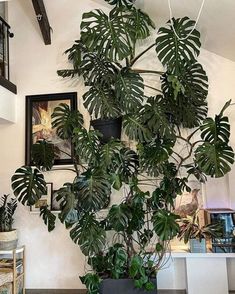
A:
(52, 260)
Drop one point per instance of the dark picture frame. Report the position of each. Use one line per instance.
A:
(38, 124)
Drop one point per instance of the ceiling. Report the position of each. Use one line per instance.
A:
(217, 22)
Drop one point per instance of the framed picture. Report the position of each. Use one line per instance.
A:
(189, 202)
(38, 124)
(55, 205)
(44, 200)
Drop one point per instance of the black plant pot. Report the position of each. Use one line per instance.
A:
(123, 286)
(109, 128)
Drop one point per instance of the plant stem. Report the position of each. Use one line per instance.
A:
(147, 71)
(155, 89)
(133, 61)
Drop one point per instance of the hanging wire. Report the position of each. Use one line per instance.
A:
(196, 22)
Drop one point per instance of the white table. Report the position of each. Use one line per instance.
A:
(199, 273)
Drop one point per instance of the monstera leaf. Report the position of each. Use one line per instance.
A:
(118, 217)
(67, 197)
(106, 34)
(75, 55)
(43, 155)
(48, 217)
(100, 101)
(140, 24)
(187, 113)
(96, 70)
(165, 224)
(118, 3)
(174, 52)
(135, 128)
(94, 189)
(108, 154)
(215, 159)
(86, 144)
(126, 163)
(89, 235)
(28, 185)
(215, 156)
(64, 120)
(218, 129)
(153, 154)
(154, 113)
(130, 90)
(193, 83)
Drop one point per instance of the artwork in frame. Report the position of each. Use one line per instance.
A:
(45, 200)
(38, 124)
(55, 204)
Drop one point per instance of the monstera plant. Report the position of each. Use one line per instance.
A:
(131, 239)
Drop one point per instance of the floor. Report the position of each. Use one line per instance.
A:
(83, 292)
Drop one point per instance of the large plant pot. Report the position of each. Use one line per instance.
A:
(8, 240)
(196, 246)
(123, 286)
(109, 128)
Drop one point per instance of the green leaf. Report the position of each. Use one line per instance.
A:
(215, 159)
(108, 154)
(154, 114)
(96, 70)
(193, 169)
(43, 155)
(76, 52)
(118, 217)
(214, 130)
(119, 3)
(165, 224)
(174, 52)
(126, 163)
(89, 235)
(92, 283)
(140, 24)
(135, 128)
(94, 189)
(86, 144)
(105, 34)
(136, 266)
(155, 153)
(64, 120)
(28, 185)
(185, 112)
(193, 82)
(130, 90)
(67, 198)
(100, 102)
(48, 217)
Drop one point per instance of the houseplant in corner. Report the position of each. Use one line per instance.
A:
(130, 242)
(194, 234)
(8, 235)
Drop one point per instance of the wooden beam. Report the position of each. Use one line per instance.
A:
(43, 21)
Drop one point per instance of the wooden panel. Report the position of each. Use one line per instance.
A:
(43, 21)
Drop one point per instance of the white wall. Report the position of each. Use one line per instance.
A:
(8, 106)
(52, 260)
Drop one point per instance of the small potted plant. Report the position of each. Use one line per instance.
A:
(8, 235)
(194, 234)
